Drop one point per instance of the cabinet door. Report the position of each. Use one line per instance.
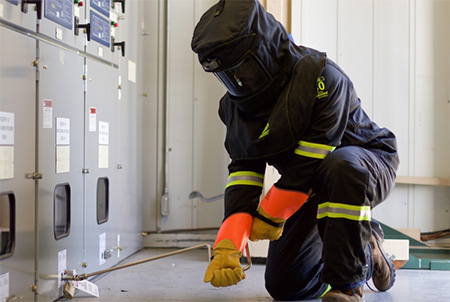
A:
(61, 162)
(17, 147)
(102, 136)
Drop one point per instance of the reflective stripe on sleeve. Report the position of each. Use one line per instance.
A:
(340, 210)
(313, 150)
(247, 178)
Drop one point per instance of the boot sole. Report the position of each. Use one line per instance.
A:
(362, 300)
(377, 231)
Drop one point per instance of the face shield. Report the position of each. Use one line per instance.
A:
(244, 78)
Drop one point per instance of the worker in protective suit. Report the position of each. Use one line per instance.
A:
(291, 107)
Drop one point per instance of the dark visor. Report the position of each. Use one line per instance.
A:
(246, 77)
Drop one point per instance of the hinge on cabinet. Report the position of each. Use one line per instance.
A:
(33, 176)
(85, 171)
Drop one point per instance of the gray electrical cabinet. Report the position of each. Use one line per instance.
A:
(17, 164)
(61, 162)
(68, 143)
(102, 162)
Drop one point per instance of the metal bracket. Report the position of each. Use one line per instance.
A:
(107, 253)
(120, 45)
(86, 27)
(33, 176)
(38, 7)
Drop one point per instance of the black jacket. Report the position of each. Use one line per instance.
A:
(309, 98)
(328, 114)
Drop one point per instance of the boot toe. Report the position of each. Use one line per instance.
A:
(336, 295)
(383, 276)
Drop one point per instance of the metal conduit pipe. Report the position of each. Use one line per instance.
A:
(75, 277)
(69, 289)
(80, 277)
(164, 202)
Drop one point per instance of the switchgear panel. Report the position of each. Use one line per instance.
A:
(80, 174)
(100, 29)
(59, 22)
(59, 11)
(16, 2)
(102, 6)
(13, 12)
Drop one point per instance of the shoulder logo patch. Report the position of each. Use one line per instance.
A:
(321, 93)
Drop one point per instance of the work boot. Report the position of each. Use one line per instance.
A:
(337, 295)
(383, 275)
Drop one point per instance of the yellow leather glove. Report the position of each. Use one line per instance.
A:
(261, 229)
(225, 268)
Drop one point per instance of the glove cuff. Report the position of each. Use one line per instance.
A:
(236, 228)
(279, 203)
(269, 221)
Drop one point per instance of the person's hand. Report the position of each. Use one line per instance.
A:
(266, 227)
(225, 267)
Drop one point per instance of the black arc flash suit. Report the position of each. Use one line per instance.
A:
(300, 114)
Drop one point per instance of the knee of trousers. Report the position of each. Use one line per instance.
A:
(339, 178)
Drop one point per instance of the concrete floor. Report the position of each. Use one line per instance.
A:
(180, 278)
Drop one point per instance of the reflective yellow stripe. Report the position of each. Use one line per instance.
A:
(340, 210)
(247, 178)
(313, 150)
(265, 131)
(326, 291)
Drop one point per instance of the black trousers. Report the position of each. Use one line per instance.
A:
(331, 249)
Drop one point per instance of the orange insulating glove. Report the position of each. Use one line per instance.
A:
(225, 267)
(275, 208)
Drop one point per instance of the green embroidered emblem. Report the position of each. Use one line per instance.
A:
(321, 93)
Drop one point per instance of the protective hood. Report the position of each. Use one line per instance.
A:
(249, 52)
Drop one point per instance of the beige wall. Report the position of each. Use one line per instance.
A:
(281, 9)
